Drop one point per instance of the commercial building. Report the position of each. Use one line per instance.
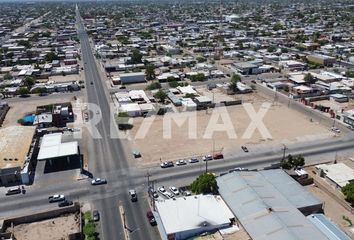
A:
(338, 174)
(183, 218)
(270, 205)
(245, 68)
(134, 77)
(52, 148)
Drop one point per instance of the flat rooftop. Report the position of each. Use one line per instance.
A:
(52, 147)
(15, 142)
(339, 173)
(187, 213)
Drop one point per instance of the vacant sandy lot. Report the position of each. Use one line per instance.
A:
(54, 229)
(283, 124)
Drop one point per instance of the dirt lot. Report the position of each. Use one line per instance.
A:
(284, 125)
(54, 229)
(20, 109)
(11, 148)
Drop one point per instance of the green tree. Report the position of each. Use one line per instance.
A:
(89, 229)
(205, 184)
(51, 56)
(23, 91)
(173, 84)
(271, 49)
(161, 95)
(292, 162)
(150, 72)
(136, 56)
(348, 191)
(233, 82)
(309, 78)
(153, 86)
(29, 81)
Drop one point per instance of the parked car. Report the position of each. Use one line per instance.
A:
(133, 195)
(168, 194)
(13, 191)
(238, 169)
(207, 158)
(193, 160)
(56, 198)
(162, 190)
(95, 215)
(151, 218)
(65, 203)
(166, 164)
(187, 193)
(174, 190)
(245, 149)
(98, 181)
(218, 156)
(181, 162)
(335, 129)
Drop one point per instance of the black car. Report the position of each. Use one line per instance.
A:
(65, 203)
(245, 149)
(151, 218)
(95, 215)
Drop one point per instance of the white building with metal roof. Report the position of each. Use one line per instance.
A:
(185, 217)
(52, 147)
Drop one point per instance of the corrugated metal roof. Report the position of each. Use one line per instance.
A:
(266, 204)
(327, 227)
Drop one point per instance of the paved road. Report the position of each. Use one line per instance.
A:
(107, 155)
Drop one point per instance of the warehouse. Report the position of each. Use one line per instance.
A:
(183, 218)
(269, 204)
(134, 77)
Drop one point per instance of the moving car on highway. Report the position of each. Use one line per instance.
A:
(65, 203)
(56, 198)
(98, 181)
(13, 191)
(133, 196)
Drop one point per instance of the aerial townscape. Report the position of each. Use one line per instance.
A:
(176, 120)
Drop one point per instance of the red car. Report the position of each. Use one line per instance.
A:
(218, 156)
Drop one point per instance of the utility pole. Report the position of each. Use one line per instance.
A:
(284, 150)
(148, 175)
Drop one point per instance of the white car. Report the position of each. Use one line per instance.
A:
(56, 198)
(334, 129)
(168, 195)
(98, 181)
(174, 190)
(162, 190)
(207, 158)
(181, 162)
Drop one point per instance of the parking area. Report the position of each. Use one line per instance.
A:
(283, 124)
